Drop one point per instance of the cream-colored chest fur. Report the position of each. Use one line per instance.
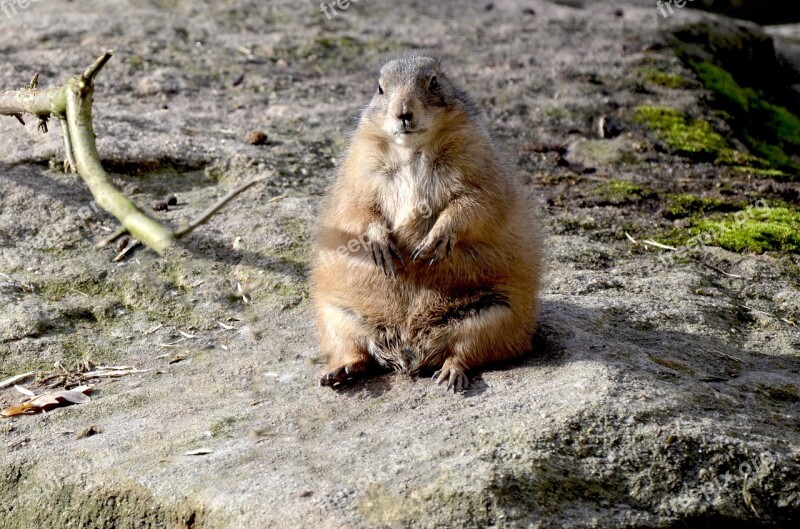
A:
(412, 194)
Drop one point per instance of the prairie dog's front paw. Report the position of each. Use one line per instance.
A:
(436, 246)
(453, 374)
(383, 251)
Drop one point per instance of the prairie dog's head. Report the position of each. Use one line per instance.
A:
(411, 96)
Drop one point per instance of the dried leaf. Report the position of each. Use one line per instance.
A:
(22, 409)
(48, 401)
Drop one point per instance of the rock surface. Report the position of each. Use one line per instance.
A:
(658, 394)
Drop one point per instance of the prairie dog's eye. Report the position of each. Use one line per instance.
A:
(380, 89)
(434, 84)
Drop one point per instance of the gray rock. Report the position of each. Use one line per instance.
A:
(656, 395)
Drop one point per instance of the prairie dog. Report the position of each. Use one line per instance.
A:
(427, 256)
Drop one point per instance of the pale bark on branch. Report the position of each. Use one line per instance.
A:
(71, 104)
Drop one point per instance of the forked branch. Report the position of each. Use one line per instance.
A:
(71, 104)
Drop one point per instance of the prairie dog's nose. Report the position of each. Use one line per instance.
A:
(406, 117)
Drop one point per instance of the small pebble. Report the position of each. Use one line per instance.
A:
(172, 201)
(122, 243)
(609, 127)
(257, 137)
(88, 432)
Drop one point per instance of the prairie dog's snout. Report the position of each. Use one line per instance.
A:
(406, 115)
(403, 109)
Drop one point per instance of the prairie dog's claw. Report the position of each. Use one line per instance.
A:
(456, 379)
(336, 377)
(433, 247)
(384, 255)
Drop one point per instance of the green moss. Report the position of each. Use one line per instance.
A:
(722, 83)
(771, 130)
(57, 290)
(114, 503)
(557, 112)
(331, 51)
(296, 251)
(622, 191)
(149, 297)
(224, 427)
(680, 133)
(334, 42)
(662, 78)
(739, 158)
(76, 348)
(688, 205)
(577, 224)
(697, 138)
(755, 230)
(290, 289)
(137, 61)
(772, 173)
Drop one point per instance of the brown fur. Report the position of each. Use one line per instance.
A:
(440, 195)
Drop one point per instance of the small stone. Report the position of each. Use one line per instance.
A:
(619, 13)
(172, 201)
(88, 432)
(609, 127)
(529, 11)
(122, 243)
(257, 137)
(161, 82)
